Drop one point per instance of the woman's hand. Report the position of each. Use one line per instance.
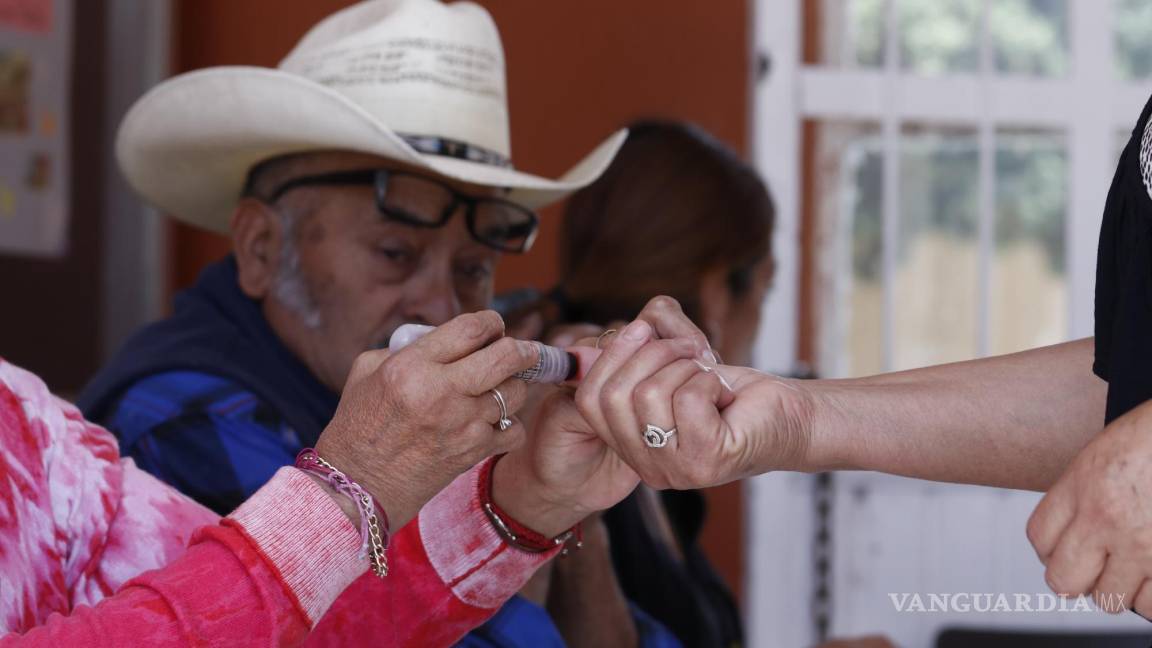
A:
(730, 422)
(1093, 530)
(409, 423)
(563, 473)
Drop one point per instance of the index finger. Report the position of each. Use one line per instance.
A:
(495, 363)
(1052, 516)
(670, 322)
(461, 336)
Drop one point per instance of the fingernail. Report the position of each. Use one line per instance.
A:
(563, 340)
(528, 349)
(707, 356)
(636, 331)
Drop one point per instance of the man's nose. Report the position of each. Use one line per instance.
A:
(430, 296)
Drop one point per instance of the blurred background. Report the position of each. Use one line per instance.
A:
(939, 167)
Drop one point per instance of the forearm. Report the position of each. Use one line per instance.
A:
(451, 571)
(585, 599)
(1012, 421)
(265, 575)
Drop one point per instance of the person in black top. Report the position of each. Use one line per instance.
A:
(1072, 419)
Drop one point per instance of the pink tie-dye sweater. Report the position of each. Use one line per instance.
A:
(80, 528)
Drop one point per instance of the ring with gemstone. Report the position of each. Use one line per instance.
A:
(656, 436)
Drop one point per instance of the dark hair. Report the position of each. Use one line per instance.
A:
(674, 204)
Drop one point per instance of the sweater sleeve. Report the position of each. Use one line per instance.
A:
(451, 572)
(76, 522)
(262, 576)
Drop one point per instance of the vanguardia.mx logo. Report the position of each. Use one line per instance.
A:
(1018, 602)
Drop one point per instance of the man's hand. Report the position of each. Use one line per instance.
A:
(409, 423)
(1093, 530)
(731, 422)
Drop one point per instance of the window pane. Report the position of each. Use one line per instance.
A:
(1029, 298)
(1133, 39)
(937, 300)
(845, 33)
(846, 194)
(939, 36)
(1030, 37)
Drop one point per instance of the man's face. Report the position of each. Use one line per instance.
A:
(359, 275)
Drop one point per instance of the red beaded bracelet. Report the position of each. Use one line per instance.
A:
(515, 533)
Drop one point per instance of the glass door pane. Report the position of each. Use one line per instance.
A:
(846, 168)
(939, 36)
(1030, 37)
(937, 268)
(845, 33)
(1133, 39)
(1029, 291)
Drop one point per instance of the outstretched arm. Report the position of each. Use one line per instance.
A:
(1012, 421)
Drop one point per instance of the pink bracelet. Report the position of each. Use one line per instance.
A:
(373, 535)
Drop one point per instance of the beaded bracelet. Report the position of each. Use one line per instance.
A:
(515, 533)
(373, 535)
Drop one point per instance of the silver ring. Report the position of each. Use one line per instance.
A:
(504, 423)
(656, 436)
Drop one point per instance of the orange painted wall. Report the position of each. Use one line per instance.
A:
(578, 69)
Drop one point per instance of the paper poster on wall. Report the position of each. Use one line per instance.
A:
(35, 82)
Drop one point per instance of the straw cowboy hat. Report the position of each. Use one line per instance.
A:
(415, 81)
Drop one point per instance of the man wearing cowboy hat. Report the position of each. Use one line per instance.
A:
(365, 183)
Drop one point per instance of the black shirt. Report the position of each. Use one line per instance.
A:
(1124, 279)
(687, 596)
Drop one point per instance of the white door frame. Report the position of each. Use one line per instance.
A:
(1089, 105)
(135, 258)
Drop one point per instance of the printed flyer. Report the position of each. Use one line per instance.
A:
(35, 81)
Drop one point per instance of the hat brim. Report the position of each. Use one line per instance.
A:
(188, 144)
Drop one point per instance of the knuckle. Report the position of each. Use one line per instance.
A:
(1142, 542)
(649, 392)
(664, 304)
(587, 402)
(393, 371)
(491, 322)
(1058, 582)
(410, 394)
(700, 341)
(687, 396)
(477, 433)
(509, 351)
(1112, 510)
(1032, 531)
(360, 370)
(515, 393)
(361, 362)
(471, 325)
(615, 394)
